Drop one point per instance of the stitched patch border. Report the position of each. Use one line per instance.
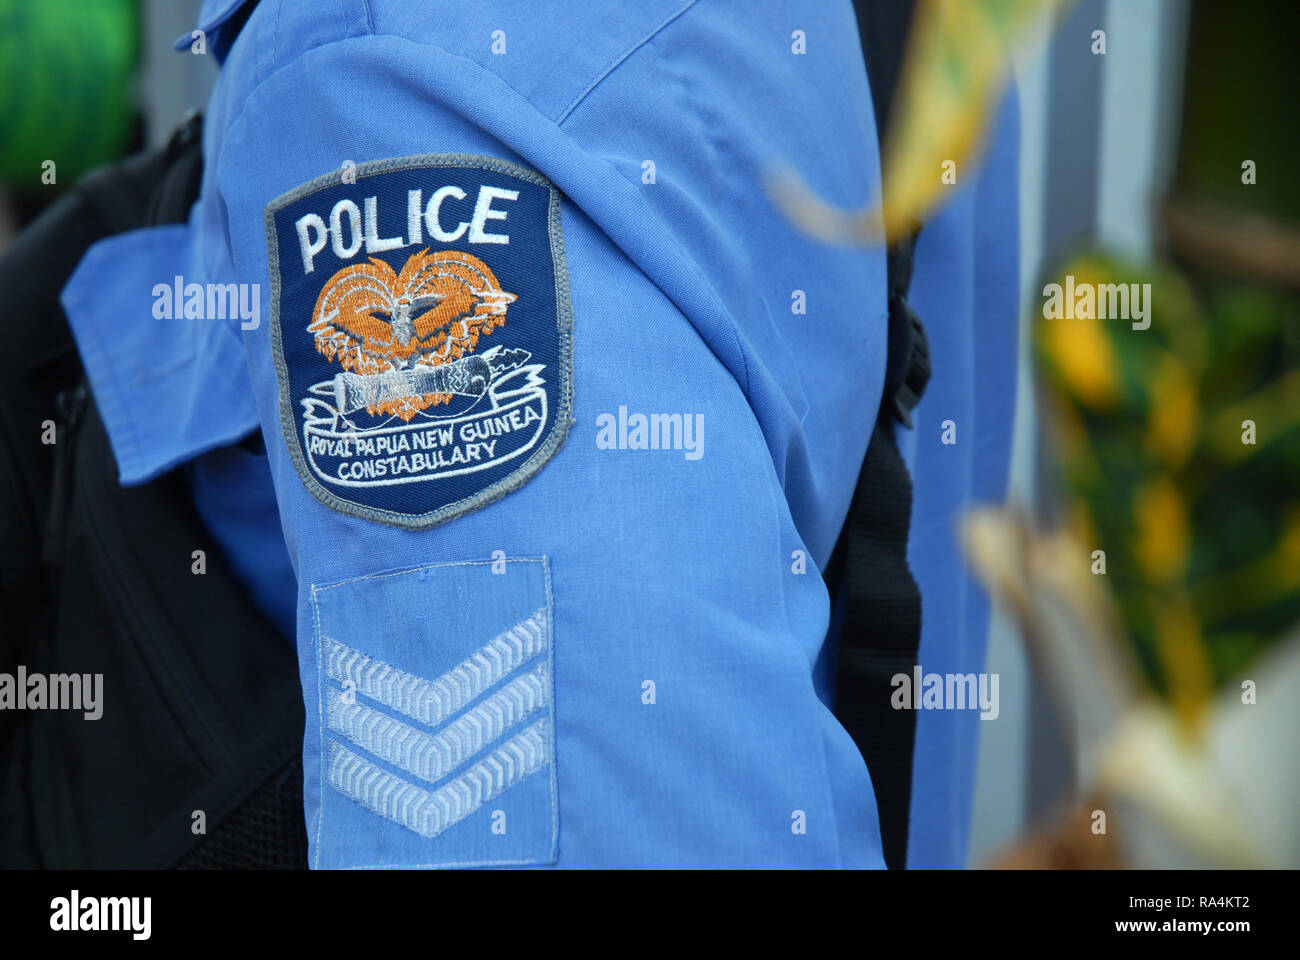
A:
(561, 418)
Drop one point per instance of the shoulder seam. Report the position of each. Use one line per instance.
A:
(619, 61)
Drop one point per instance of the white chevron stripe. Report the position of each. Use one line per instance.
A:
(432, 757)
(432, 701)
(430, 813)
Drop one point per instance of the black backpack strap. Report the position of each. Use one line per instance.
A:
(882, 30)
(183, 160)
(868, 575)
(881, 602)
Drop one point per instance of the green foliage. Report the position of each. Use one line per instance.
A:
(1155, 471)
(66, 73)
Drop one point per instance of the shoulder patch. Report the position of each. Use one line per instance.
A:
(422, 334)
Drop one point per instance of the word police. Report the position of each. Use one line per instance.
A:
(345, 235)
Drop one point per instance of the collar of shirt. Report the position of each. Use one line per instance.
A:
(214, 20)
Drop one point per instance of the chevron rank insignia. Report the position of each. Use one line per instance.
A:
(421, 329)
(432, 742)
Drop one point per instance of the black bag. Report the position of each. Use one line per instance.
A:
(870, 584)
(202, 715)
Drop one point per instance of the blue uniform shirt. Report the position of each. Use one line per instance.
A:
(562, 419)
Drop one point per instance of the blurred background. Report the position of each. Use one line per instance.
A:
(1161, 689)
(91, 80)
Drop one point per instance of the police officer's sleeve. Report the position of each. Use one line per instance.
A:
(549, 475)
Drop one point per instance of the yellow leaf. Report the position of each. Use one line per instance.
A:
(1083, 356)
(1286, 558)
(1163, 535)
(957, 63)
(1183, 660)
(1172, 427)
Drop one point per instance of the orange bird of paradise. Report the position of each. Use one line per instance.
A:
(372, 319)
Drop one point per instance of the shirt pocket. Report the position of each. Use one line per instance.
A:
(435, 717)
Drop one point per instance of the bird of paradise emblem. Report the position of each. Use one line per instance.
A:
(375, 321)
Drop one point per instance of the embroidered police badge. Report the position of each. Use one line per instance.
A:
(421, 328)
